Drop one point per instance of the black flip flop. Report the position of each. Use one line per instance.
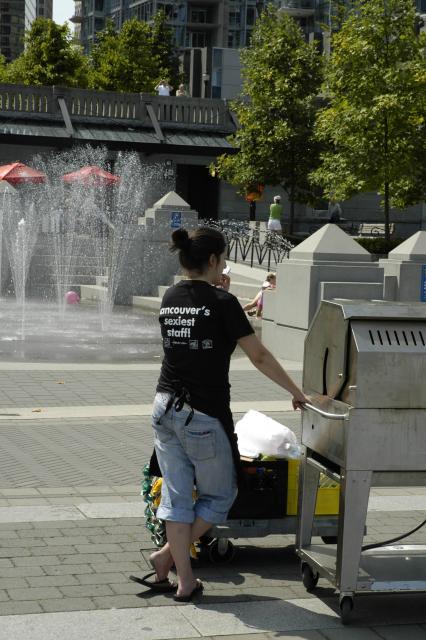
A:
(160, 586)
(198, 589)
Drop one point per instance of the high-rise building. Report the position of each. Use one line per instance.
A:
(45, 9)
(15, 17)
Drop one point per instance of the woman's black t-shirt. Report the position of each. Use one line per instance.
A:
(200, 326)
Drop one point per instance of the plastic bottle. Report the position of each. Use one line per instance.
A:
(293, 451)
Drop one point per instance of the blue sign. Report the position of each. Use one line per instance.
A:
(423, 284)
(175, 219)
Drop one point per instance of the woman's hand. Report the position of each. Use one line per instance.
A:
(298, 400)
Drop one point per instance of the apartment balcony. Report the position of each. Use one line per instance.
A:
(298, 8)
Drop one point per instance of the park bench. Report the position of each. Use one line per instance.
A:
(373, 229)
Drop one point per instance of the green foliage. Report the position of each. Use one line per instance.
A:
(123, 61)
(50, 58)
(375, 122)
(282, 77)
(164, 49)
(378, 245)
(135, 58)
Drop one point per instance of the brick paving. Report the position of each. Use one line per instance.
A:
(83, 565)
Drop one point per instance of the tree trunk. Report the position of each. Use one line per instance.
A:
(291, 218)
(387, 216)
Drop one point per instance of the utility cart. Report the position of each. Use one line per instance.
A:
(267, 504)
(366, 362)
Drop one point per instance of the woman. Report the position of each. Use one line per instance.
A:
(194, 432)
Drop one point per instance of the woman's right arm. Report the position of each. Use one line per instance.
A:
(270, 367)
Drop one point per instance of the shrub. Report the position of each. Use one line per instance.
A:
(378, 245)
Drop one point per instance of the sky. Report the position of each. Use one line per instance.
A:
(62, 10)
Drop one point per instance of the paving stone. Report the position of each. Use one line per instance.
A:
(35, 593)
(87, 590)
(103, 578)
(67, 569)
(21, 572)
(98, 548)
(67, 604)
(3, 595)
(39, 560)
(39, 533)
(19, 608)
(125, 556)
(62, 550)
(85, 558)
(7, 582)
(5, 562)
(14, 552)
(52, 581)
(128, 587)
(65, 540)
(117, 567)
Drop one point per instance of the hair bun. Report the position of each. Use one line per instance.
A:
(181, 239)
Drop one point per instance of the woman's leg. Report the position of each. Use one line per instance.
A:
(162, 560)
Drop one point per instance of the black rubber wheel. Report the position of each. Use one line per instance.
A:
(329, 539)
(309, 578)
(346, 606)
(221, 551)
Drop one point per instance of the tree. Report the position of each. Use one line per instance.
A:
(51, 57)
(281, 80)
(123, 61)
(375, 121)
(164, 49)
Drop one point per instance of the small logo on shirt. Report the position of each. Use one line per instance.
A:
(207, 344)
(193, 344)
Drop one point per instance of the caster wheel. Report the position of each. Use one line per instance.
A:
(221, 551)
(346, 607)
(329, 539)
(309, 578)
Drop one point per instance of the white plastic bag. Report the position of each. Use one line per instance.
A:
(258, 433)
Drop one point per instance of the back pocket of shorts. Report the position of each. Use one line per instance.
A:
(200, 445)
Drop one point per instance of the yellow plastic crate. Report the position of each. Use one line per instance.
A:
(327, 496)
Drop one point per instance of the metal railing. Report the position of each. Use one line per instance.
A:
(88, 105)
(252, 246)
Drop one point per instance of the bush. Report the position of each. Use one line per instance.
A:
(378, 245)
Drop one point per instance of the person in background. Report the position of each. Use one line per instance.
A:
(335, 211)
(181, 92)
(163, 88)
(192, 422)
(275, 213)
(255, 307)
(224, 281)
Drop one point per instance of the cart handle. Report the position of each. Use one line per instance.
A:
(325, 414)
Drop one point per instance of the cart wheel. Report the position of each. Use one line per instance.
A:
(346, 607)
(221, 550)
(309, 578)
(329, 539)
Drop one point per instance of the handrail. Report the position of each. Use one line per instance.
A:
(326, 414)
(178, 112)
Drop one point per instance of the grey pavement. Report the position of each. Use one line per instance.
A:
(72, 526)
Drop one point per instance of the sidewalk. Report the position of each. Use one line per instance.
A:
(73, 441)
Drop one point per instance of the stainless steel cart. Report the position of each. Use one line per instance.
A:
(367, 427)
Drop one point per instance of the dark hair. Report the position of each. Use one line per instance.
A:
(196, 247)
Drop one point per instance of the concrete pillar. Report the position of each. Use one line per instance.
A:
(329, 264)
(149, 261)
(403, 269)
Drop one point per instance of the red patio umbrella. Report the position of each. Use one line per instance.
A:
(18, 173)
(94, 176)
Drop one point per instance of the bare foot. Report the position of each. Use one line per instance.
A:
(162, 563)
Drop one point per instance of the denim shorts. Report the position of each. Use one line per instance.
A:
(198, 453)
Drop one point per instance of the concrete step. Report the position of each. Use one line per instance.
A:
(149, 303)
(93, 292)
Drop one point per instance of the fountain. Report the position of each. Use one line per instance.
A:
(62, 236)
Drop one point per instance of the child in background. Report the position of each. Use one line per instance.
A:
(255, 307)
